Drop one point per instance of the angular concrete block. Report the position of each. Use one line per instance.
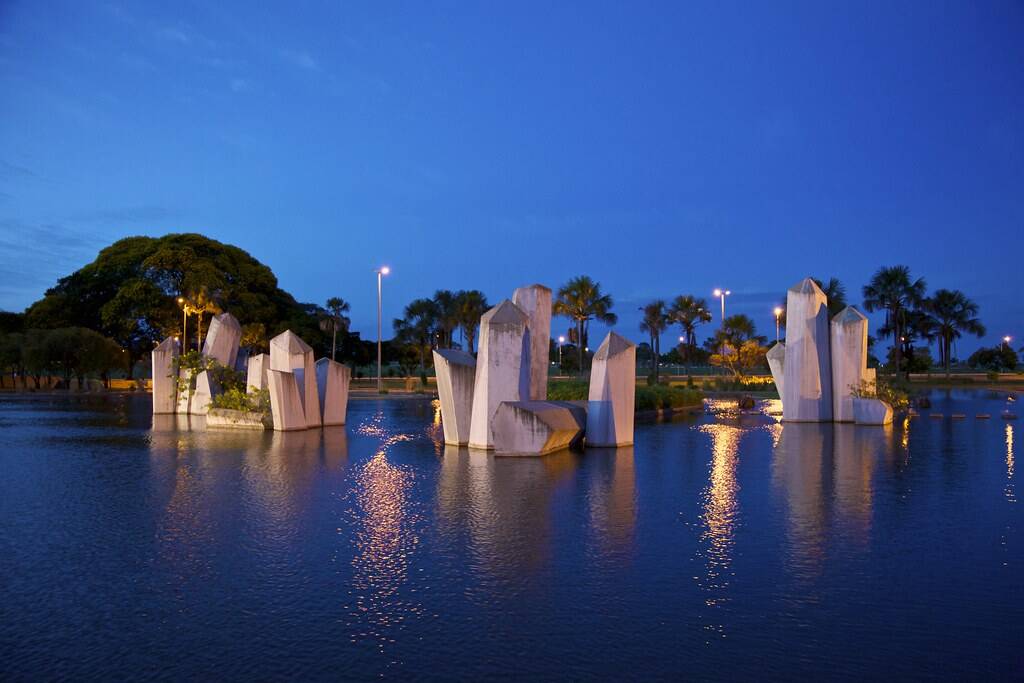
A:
(807, 380)
(222, 339)
(456, 376)
(502, 368)
(535, 302)
(285, 401)
(185, 397)
(612, 397)
(776, 357)
(165, 388)
(871, 411)
(288, 353)
(256, 372)
(533, 428)
(849, 348)
(206, 389)
(332, 380)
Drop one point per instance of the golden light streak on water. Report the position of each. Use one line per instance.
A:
(719, 516)
(1010, 491)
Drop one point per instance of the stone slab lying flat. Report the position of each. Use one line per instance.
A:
(534, 428)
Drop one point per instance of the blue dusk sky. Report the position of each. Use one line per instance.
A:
(662, 148)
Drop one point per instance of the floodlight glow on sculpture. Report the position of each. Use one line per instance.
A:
(849, 345)
(776, 358)
(288, 353)
(502, 369)
(807, 378)
(535, 302)
(165, 388)
(456, 376)
(332, 380)
(533, 428)
(612, 393)
(222, 340)
(203, 395)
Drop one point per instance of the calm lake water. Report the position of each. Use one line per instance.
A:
(716, 548)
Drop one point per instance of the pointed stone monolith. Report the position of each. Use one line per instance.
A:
(533, 428)
(288, 353)
(332, 380)
(285, 401)
(502, 368)
(849, 347)
(807, 380)
(612, 398)
(535, 302)
(256, 372)
(456, 376)
(222, 340)
(165, 388)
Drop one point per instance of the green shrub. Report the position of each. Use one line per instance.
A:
(237, 398)
(568, 390)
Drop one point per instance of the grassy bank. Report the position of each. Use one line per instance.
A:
(647, 397)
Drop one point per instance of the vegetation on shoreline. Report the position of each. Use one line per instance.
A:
(654, 397)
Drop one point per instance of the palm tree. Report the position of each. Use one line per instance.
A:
(581, 300)
(654, 322)
(418, 327)
(202, 303)
(892, 290)
(953, 314)
(470, 306)
(448, 314)
(836, 293)
(333, 319)
(689, 312)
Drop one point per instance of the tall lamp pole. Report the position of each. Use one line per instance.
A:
(561, 340)
(184, 322)
(778, 317)
(381, 272)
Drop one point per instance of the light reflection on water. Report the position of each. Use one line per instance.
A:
(376, 550)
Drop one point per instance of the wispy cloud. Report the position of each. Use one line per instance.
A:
(301, 59)
(125, 214)
(241, 85)
(175, 34)
(9, 170)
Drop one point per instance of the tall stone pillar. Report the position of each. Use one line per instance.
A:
(456, 376)
(807, 382)
(849, 344)
(165, 387)
(332, 380)
(612, 397)
(502, 368)
(222, 339)
(288, 353)
(535, 302)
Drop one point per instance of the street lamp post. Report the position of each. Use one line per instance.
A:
(1006, 340)
(184, 322)
(381, 272)
(721, 294)
(561, 340)
(778, 316)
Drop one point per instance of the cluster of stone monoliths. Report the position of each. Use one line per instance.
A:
(823, 361)
(498, 401)
(303, 394)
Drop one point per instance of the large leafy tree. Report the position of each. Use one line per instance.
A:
(130, 292)
(654, 323)
(688, 312)
(892, 290)
(952, 314)
(581, 300)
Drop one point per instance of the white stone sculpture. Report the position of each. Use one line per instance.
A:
(185, 397)
(222, 339)
(807, 380)
(288, 353)
(871, 411)
(612, 393)
(205, 390)
(286, 401)
(332, 380)
(165, 388)
(533, 428)
(256, 373)
(502, 370)
(456, 376)
(776, 357)
(849, 347)
(535, 302)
